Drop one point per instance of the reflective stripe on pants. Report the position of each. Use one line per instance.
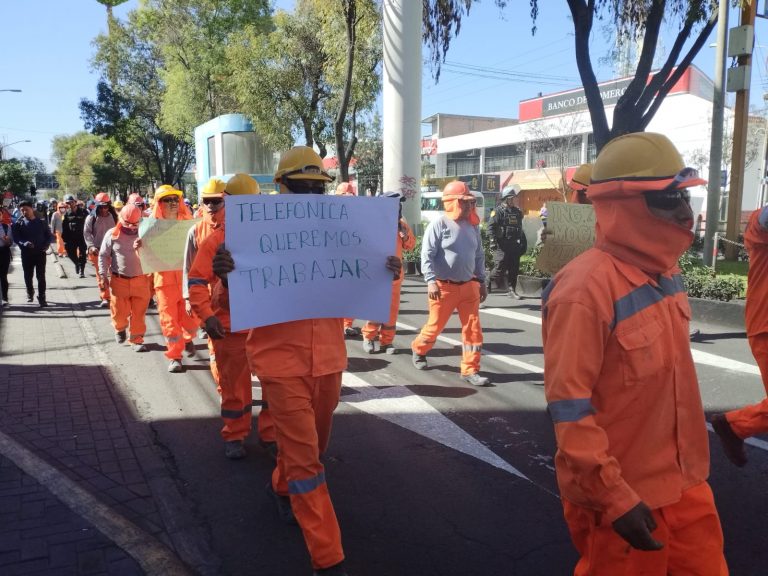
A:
(466, 299)
(302, 410)
(128, 306)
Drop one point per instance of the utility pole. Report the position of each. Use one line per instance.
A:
(716, 146)
(401, 103)
(740, 121)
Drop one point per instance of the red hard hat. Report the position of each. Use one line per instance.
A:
(130, 214)
(456, 189)
(102, 198)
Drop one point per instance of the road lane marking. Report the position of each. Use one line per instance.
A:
(153, 556)
(399, 405)
(512, 315)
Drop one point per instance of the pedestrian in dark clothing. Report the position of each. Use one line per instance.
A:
(33, 236)
(73, 234)
(508, 241)
(6, 242)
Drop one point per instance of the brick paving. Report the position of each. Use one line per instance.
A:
(59, 403)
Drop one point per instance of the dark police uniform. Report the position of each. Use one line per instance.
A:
(508, 243)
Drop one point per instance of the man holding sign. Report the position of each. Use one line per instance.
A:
(299, 364)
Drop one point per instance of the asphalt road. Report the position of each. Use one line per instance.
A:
(429, 475)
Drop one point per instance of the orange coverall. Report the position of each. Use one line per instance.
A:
(209, 297)
(386, 332)
(753, 419)
(628, 417)
(177, 327)
(299, 365)
(128, 306)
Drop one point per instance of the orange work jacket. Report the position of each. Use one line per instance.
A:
(756, 241)
(624, 399)
(201, 281)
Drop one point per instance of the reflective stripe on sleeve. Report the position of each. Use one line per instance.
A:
(196, 282)
(306, 485)
(570, 410)
(645, 296)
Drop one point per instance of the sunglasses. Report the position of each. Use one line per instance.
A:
(305, 186)
(667, 199)
(468, 201)
(213, 201)
(170, 200)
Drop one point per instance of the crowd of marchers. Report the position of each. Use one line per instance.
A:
(632, 457)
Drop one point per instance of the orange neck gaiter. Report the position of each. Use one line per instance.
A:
(453, 211)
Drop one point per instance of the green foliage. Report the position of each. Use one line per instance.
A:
(486, 238)
(700, 281)
(528, 264)
(15, 176)
(415, 254)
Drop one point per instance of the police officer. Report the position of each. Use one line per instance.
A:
(507, 241)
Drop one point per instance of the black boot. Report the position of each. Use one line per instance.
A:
(43, 302)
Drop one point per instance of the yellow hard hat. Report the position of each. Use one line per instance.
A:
(301, 163)
(241, 184)
(214, 188)
(166, 190)
(637, 163)
(118, 204)
(580, 178)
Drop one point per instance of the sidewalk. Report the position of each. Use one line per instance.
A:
(82, 489)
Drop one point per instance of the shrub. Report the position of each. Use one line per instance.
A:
(528, 264)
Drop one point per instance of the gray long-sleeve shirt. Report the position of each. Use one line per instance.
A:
(452, 250)
(118, 255)
(96, 227)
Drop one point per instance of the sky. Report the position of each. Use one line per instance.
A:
(492, 64)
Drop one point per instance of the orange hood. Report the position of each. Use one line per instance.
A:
(453, 210)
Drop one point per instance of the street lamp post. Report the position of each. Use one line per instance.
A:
(4, 146)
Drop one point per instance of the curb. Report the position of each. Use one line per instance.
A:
(726, 314)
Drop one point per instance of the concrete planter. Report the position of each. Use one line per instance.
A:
(530, 286)
(728, 314)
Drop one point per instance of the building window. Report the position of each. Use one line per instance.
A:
(212, 167)
(591, 148)
(462, 163)
(557, 152)
(501, 158)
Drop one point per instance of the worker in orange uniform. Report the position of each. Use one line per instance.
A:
(103, 218)
(210, 302)
(632, 450)
(350, 330)
(453, 264)
(735, 426)
(212, 216)
(377, 336)
(120, 272)
(299, 365)
(580, 184)
(178, 327)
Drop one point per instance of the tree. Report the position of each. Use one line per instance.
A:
(302, 82)
(112, 59)
(192, 36)
(74, 160)
(130, 111)
(370, 158)
(15, 177)
(694, 19)
(556, 143)
(359, 23)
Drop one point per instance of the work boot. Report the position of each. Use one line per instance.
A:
(419, 361)
(82, 273)
(336, 570)
(234, 449)
(368, 346)
(388, 349)
(476, 380)
(513, 294)
(283, 504)
(139, 347)
(733, 446)
(175, 367)
(270, 447)
(30, 296)
(120, 336)
(189, 349)
(351, 332)
(42, 301)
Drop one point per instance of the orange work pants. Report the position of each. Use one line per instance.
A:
(128, 306)
(237, 390)
(177, 326)
(466, 299)
(61, 251)
(690, 530)
(385, 332)
(302, 410)
(752, 420)
(103, 292)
